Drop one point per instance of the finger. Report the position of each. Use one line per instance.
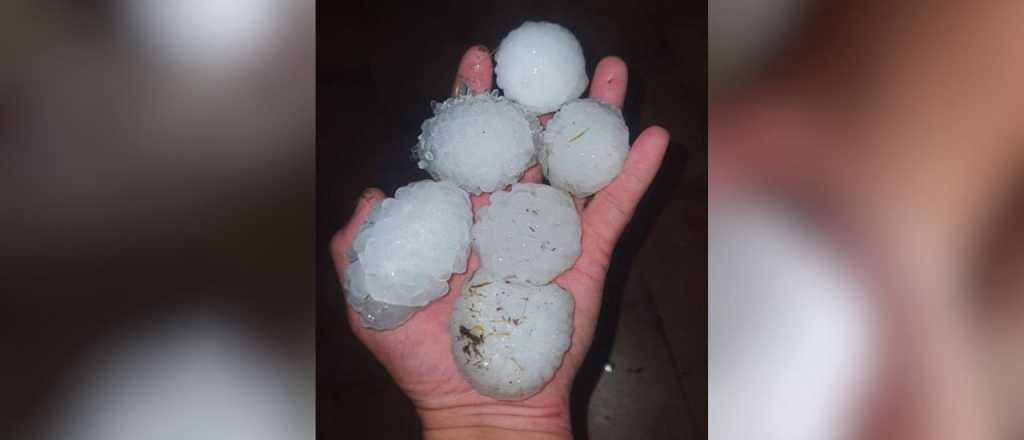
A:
(613, 206)
(581, 203)
(545, 118)
(478, 201)
(609, 82)
(532, 175)
(476, 72)
(343, 238)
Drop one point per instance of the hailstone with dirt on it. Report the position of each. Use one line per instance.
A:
(584, 146)
(406, 250)
(508, 339)
(529, 234)
(541, 66)
(482, 142)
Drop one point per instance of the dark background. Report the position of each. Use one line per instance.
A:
(378, 67)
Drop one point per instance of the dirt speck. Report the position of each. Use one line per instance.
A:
(472, 347)
(574, 138)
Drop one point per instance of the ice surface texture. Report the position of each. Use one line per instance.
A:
(584, 146)
(528, 234)
(508, 339)
(406, 250)
(379, 315)
(481, 143)
(541, 66)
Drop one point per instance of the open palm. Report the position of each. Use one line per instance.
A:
(417, 354)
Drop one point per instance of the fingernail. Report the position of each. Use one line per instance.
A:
(483, 48)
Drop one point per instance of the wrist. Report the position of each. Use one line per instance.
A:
(495, 420)
(481, 432)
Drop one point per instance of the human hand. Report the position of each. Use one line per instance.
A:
(418, 354)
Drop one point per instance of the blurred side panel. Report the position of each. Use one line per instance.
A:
(156, 245)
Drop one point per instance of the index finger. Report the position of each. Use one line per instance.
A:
(609, 82)
(476, 71)
(343, 238)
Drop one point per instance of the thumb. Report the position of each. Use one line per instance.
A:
(343, 238)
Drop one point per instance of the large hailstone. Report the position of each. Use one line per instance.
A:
(541, 66)
(528, 234)
(481, 143)
(406, 250)
(508, 339)
(379, 315)
(584, 146)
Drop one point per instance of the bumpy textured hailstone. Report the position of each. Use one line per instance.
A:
(406, 250)
(541, 66)
(481, 143)
(584, 146)
(508, 339)
(528, 234)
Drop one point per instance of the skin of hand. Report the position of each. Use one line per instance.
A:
(418, 354)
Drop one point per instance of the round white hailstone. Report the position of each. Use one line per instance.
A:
(508, 339)
(528, 234)
(584, 146)
(541, 66)
(407, 249)
(481, 143)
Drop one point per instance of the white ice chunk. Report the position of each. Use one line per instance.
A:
(541, 66)
(380, 315)
(528, 234)
(406, 250)
(584, 146)
(508, 339)
(482, 143)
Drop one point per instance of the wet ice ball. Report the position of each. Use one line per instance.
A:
(508, 339)
(584, 146)
(481, 143)
(406, 250)
(541, 66)
(528, 234)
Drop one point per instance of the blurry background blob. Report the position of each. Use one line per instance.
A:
(207, 34)
(792, 332)
(156, 177)
(887, 143)
(744, 35)
(201, 378)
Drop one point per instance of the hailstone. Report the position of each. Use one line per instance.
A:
(541, 66)
(584, 146)
(406, 250)
(528, 234)
(481, 143)
(379, 315)
(508, 339)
